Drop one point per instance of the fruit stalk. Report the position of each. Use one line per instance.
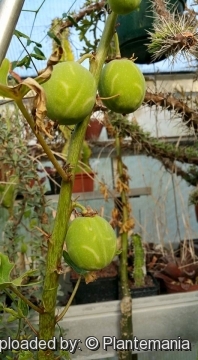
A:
(47, 320)
(62, 314)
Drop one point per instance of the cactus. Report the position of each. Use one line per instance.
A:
(63, 37)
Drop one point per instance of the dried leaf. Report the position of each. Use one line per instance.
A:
(128, 225)
(153, 262)
(115, 218)
(104, 191)
(55, 56)
(121, 186)
(115, 214)
(90, 277)
(39, 111)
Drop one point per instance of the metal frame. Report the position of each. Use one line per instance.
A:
(9, 14)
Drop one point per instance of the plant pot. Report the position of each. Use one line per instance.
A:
(150, 288)
(83, 183)
(93, 130)
(173, 286)
(132, 30)
(104, 288)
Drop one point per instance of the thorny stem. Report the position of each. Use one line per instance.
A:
(41, 140)
(169, 102)
(126, 302)
(47, 320)
(62, 314)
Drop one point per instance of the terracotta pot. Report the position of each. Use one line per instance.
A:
(173, 286)
(83, 182)
(93, 130)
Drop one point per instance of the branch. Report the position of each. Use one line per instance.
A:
(160, 150)
(86, 11)
(169, 102)
(175, 169)
(27, 301)
(152, 146)
(188, 175)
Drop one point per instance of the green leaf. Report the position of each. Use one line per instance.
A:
(20, 34)
(23, 307)
(4, 70)
(11, 312)
(73, 266)
(18, 281)
(65, 355)
(73, 21)
(27, 214)
(12, 318)
(29, 41)
(39, 52)
(14, 64)
(38, 56)
(24, 62)
(54, 37)
(25, 355)
(5, 269)
(33, 223)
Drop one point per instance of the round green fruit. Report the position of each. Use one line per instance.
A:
(91, 242)
(123, 84)
(70, 93)
(123, 7)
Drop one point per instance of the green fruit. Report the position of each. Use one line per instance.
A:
(70, 93)
(122, 82)
(91, 242)
(123, 7)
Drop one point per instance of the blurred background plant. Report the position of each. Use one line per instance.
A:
(26, 215)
